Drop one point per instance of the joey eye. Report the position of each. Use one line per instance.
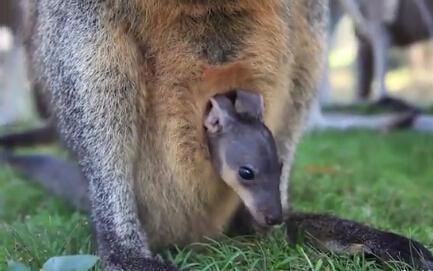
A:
(246, 173)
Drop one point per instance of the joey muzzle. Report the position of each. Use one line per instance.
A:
(264, 205)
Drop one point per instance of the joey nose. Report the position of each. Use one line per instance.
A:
(272, 220)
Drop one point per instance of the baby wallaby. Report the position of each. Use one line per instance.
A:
(244, 153)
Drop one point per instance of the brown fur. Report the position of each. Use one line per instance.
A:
(176, 84)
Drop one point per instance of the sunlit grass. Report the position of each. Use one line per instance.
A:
(384, 180)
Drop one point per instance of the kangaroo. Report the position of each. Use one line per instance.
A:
(135, 93)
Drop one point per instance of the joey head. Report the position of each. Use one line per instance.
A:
(243, 152)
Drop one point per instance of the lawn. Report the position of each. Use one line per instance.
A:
(384, 180)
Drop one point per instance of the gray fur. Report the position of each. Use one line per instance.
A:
(96, 119)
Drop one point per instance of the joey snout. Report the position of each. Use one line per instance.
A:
(273, 215)
(265, 208)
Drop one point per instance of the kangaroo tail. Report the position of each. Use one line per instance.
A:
(60, 177)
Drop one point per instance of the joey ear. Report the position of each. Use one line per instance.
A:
(219, 115)
(250, 103)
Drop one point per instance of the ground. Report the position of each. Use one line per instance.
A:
(380, 179)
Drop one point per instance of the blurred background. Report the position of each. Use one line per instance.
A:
(15, 96)
(403, 27)
(409, 77)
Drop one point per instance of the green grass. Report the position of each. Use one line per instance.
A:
(384, 180)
